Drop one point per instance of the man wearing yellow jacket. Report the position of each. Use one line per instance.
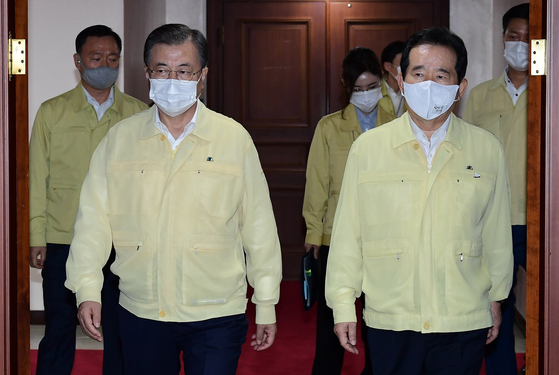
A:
(66, 131)
(423, 226)
(180, 192)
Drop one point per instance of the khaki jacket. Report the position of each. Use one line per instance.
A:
(429, 248)
(332, 140)
(188, 226)
(386, 102)
(65, 134)
(490, 106)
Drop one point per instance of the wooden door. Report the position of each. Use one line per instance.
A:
(374, 25)
(275, 67)
(14, 218)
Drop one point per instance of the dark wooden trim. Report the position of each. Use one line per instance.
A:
(17, 11)
(5, 295)
(535, 266)
(37, 317)
(550, 18)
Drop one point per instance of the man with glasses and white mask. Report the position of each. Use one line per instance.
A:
(500, 106)
(422, 226)
(180, 192)
(66, 131)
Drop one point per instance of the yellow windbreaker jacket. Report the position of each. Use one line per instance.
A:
(188, 226)
(490, 106)
(429, 248)
(332, 140)
(65, 134)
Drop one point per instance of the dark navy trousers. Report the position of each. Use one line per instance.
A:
(500, 356)
(57, 348)
(416, 353)
(209, 347)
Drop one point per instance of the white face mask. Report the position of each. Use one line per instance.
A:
(516, 54)
(429, 99)
(172, 96)
(366, 101)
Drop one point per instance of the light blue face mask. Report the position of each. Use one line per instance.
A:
(100, 78)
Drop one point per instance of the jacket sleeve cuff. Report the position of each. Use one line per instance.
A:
(37, 240)
(314, 238)
(344, 314)
(265, 314)
(86, 295)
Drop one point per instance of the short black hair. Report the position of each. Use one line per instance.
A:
(174, 34)
(96, 31)
(518, 11)
(437, 36)
(390, 51)
(358, 61)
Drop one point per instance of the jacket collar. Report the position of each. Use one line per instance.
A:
(202, 130)
(350, 122)
(403, 133)
(499, 82)
(80, 103)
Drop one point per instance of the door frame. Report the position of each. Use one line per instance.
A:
(542, 298)
(14, 217)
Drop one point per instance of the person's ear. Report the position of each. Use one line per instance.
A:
(401, 82)
(462, 88)
(77, 61)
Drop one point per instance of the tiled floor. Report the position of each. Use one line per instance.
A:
(84, 342)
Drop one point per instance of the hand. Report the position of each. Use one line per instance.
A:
(37, 256)
(494, 331)
(264, 336)
(89, 315)
(347, 334)
(309, 246)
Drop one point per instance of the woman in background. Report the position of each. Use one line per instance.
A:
(333, 137)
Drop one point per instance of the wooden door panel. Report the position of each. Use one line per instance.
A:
(274, 58)
(373, 25)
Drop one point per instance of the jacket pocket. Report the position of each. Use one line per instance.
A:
(218, 188)
(389, 198)
(467, 280)
(213, 270)
(388, 272)
(464, 197)
(62, 197)
(133, 265)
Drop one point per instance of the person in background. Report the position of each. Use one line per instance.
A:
(500, 105)
(66, 131)
(422, 226)
(362, 79)
(180, 191)
(392, 100)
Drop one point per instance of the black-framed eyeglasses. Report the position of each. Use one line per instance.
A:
(162, 74)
